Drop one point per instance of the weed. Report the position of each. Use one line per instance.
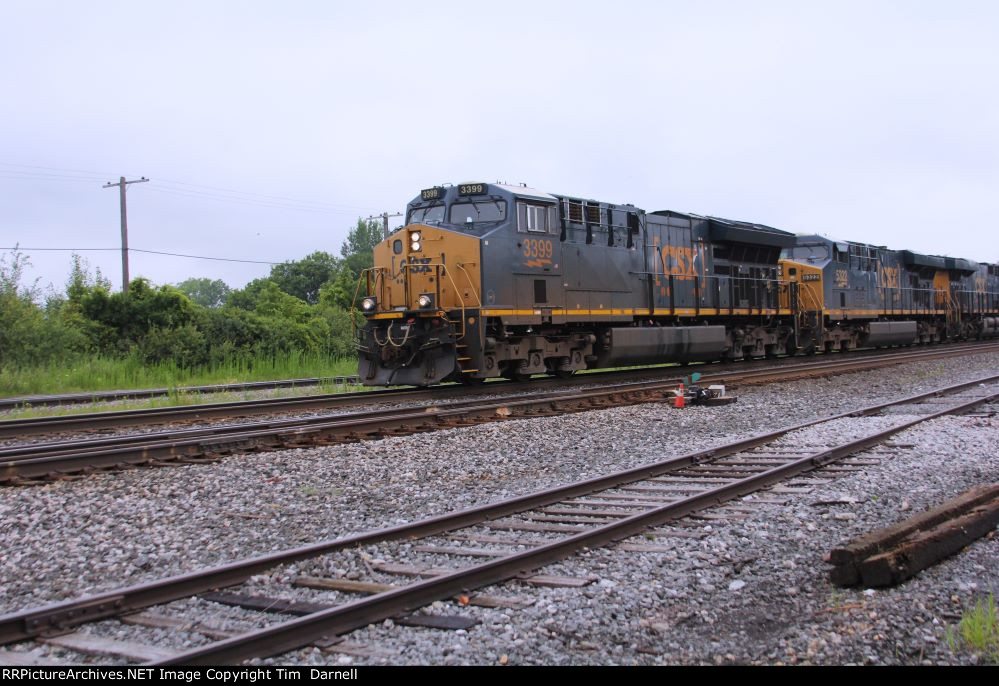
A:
(85, 373)
(978, 630)
(836, 599)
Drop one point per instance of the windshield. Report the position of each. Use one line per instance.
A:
(474, 212)
(811, 252)
(432, 214)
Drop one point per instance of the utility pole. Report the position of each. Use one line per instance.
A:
(385, 217)
(122, 183)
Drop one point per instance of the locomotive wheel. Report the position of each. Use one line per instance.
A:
(466, 380)
(564, 373)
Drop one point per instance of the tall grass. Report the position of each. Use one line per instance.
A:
(105, 373)
(978, 630)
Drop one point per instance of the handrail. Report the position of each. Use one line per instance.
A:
(364, 276)
(437, 270)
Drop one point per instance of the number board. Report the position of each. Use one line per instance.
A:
(472, 189)
(435, 193)
(811, 277)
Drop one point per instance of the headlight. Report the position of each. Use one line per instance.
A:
(415, 236)
(424, 301)
(415, 246)
(368, 304)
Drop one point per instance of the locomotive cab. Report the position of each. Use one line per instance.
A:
(424, 298)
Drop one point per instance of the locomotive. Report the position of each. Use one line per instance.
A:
(494, 280)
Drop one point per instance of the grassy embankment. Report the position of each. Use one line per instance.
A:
(104, 374)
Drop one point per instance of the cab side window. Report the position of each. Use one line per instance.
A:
(533, 218)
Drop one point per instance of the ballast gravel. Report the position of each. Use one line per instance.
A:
(752, 589)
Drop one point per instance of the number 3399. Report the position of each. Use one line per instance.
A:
(536, 248)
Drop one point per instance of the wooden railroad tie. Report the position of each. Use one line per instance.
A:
(892, 555)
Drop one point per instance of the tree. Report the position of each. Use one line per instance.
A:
(304, 278)
(358, 249)
(205, 292)
(80, 279)
(245, 298)
(118, 321)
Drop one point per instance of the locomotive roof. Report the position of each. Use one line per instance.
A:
(525, 191)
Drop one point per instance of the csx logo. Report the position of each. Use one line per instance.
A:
(417, 265)
(889, 277)
(678, 260)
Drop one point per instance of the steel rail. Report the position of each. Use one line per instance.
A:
(747, 375)
(17, 428)
(297, 633)
(142, 393)
(30, 623)
(34, 461)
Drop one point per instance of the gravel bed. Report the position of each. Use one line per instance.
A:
(508, 391)
(648, 608)
(195, 398)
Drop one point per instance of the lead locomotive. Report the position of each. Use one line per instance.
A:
(489, 280)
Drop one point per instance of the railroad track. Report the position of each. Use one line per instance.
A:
(34, 463)
(18, 428)
(25, 401)
(525, 533)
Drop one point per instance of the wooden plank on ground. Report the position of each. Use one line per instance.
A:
(848, 558)
(89, 644)
(631, 503)
(678, 533)
(925, 549)
(350, 586)
(534, 579)
(542, 528)
(356, 650)
(498, 540)
(569, 519)
(158, 621)
(646, 548)
(558, 581)
(10, 658)
(584, 512)
(876, 541)
(446, 622)
(411, 570)
(453, 550)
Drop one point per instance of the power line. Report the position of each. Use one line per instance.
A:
(264, 195)
(209, 192)
(37, 176)
(200, 195)
(151, 252)
(58, 169)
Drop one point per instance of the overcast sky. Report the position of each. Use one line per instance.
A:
(268, 128)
